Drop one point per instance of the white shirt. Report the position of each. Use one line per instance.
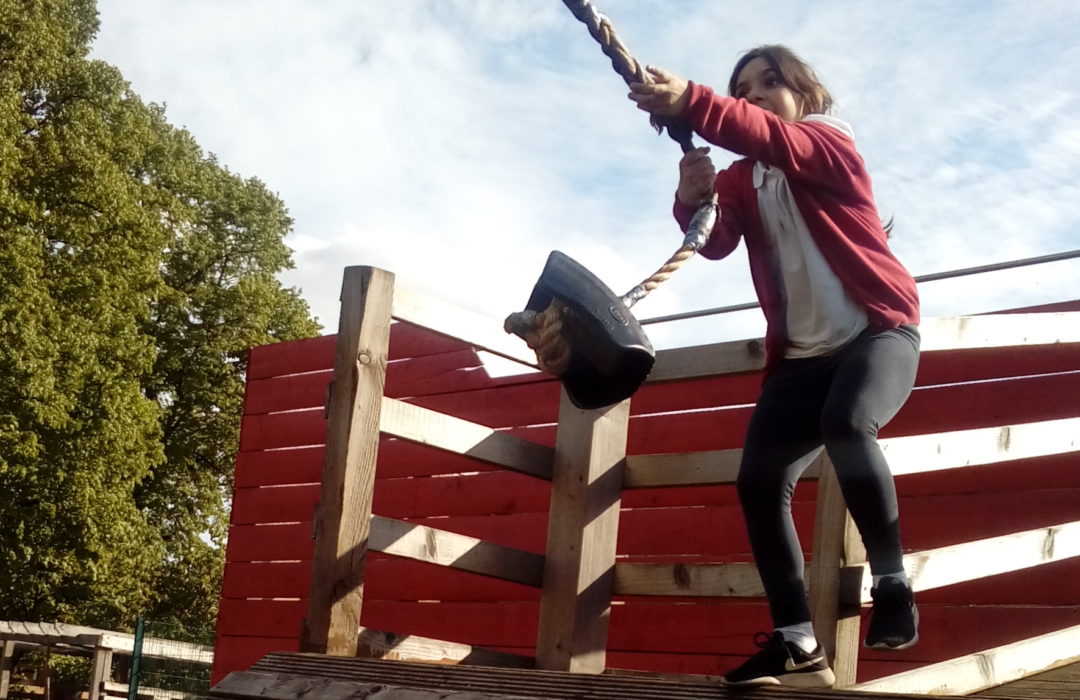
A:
(821, 315)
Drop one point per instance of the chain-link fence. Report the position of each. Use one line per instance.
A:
(174, 661)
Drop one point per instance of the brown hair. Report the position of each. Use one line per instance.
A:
(796, 74)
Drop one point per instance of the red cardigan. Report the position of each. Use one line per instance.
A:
(832, 189)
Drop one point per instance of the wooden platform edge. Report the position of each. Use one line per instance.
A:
(985, 669)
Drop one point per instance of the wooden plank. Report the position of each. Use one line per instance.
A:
(271, 431)
(454, 321)
(713, 580)
(278, 467)
(951, 333)
(465, 494)
(235, 653)
(731, 357)
(906, 455)
(7, 662)
(280, 579)
(274, 504)
(946, 566)
(836, 544)
(292, 357)
(986, 669)
(583, 526)
(408, 341)
(262, 618)
(963, 448)
(287, 393)
(445, 432)
(99, 670)
(463, 370)
(288, 686)
(377, 644)
(947, 333)
(282, 542)
(435, 546)
(395, 578)
(342, 525)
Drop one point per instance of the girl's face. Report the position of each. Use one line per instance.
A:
(759, 84)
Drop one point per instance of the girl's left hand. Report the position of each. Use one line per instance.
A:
(665, 96)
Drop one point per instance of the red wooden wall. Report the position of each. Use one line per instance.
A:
(279, 467)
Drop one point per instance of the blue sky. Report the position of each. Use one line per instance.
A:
(457, 142)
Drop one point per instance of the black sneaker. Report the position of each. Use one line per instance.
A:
(894, 620)
(783, 663)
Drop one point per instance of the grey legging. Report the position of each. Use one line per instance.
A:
(839, 401)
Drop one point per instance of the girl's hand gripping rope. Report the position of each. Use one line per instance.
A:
(666, 96)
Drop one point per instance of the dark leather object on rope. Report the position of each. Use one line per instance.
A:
(610, 354)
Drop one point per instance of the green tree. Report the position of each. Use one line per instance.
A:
(135, 271)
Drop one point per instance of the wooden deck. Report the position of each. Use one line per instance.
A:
(286, 675)
(1059, 684)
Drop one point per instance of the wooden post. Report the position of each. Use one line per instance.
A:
(579, 570)
(352, 442)
(7, 661)
(101, 669)
(836, 543)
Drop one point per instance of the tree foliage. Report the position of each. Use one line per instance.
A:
(135, 271)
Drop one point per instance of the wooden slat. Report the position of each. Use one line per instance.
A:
(278, 467)
(712, 580)
(233, 653)
(445, 432)
(581, 541)
(985, 669)
(282, 542)
(836, 544)
(377, 644)
(906, 455)
(693, 468)
(291, 579)
(342, 524)
(459, 682)
(435, 546)
(293, 357)
(946, 566)
(731, 357)
(949, 333)
(274, 504)
(914, 454)
(953, 333)
(454, 321)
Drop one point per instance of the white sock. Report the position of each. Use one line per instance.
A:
(900, 576)
(801, 635)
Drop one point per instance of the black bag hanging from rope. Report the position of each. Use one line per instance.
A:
(610, 354)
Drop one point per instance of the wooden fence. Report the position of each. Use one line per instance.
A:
(518, 530)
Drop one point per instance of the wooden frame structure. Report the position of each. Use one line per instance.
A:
(101, 646)
(589, 471)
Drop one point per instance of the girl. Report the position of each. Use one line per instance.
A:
(842, 343)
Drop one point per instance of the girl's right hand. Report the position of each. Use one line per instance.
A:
(697, 177)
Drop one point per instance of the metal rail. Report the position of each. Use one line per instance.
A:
(932, 277)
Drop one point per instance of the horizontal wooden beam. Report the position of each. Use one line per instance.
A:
(712, 580)
(732, 357)
(965, 448)
(986, 669)
(907, 455)
(945, 566)
(456, 551)
(76, 635)
(453, 321)
(427, 427)
(289, 686)
(946, 333)
(377, 644)
(999, 330)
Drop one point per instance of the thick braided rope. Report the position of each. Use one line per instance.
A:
(545, 328)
